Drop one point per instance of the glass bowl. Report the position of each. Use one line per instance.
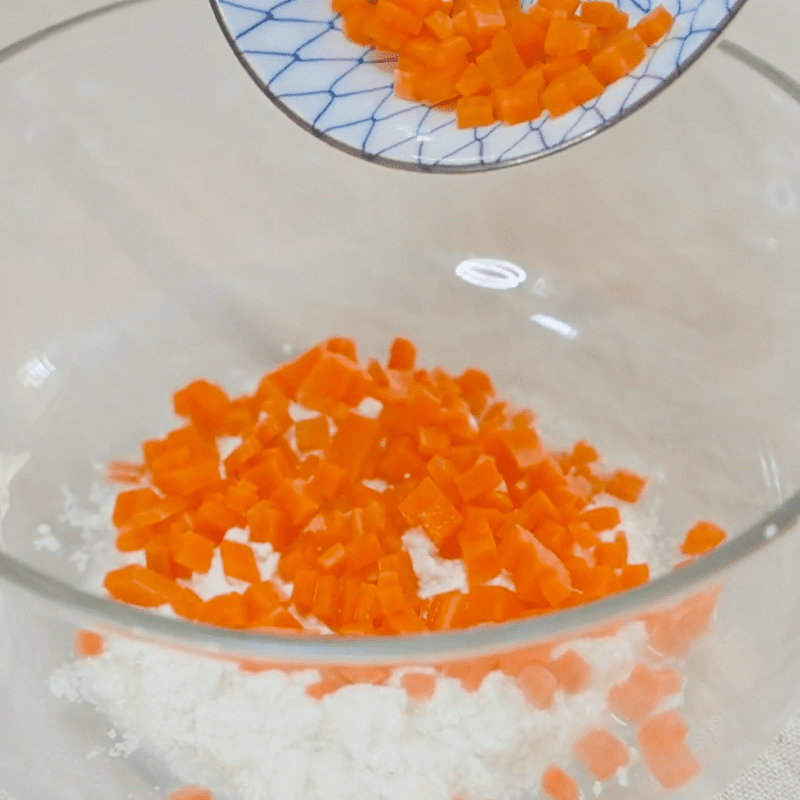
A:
(162, 222)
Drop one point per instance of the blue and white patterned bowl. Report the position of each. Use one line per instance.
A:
(340, 92)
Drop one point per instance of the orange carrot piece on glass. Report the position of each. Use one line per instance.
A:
(558, 785)
(664, 751)
(601, 753)
(419, 685)
(191, 793)
(538, 685)
(88, 644)
(571, 671)
(702, 537)
(125, 472)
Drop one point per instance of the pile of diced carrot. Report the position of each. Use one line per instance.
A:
(498, 62)
(333, 493)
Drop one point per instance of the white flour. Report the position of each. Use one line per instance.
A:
(259, 736)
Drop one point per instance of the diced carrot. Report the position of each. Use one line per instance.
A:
(397, 17)
(528, 32)
(191, 793)
(157, 555)
(268, 524)
(702, 537)
(125, 472)
(291, 498)
(603, 518)
(186, 603)
(654, 26)
(303, 588)
(363, 552)
(428, 507)
(484, 16)
(558, 785)
(192, 550)
(637, 697)
(260, 599)
(674, 631)
(568, 7)
(405, 86)
(480, 479)
(241, 497)
(479, 551)
(402, 352)
(353, 441)
(138, 586)
(518, 103)
(501, 64)
(604, 15)
(439, 24)
(538, 685)
(312, 434)
(625, 485)
(327, 605)
(204, 403)
(288, 377)
(446, 611)
(583, 87)
(571, 672)
(225, 610)
(472, 82)
(664, 751)
(88, 644)
(419, 685)
(601, 753)
(334, 559)
(128, 503)
(239, 561)
(566, 37)
(633, 575)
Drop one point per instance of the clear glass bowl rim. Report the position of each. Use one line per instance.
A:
(85, 608)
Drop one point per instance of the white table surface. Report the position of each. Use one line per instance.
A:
(768, 28)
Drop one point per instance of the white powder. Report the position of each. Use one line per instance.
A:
(435, 575)
(259, 736)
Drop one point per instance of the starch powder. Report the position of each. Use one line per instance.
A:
(259, 736)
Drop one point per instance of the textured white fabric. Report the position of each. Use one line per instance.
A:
(776, 774)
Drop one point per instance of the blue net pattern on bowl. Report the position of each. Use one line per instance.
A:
(297, 52)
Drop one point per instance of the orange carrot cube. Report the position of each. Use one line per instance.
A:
(501, 64)
(654, 26)
(239, 561)
(557, 785)
(702, 537)
(601, 753)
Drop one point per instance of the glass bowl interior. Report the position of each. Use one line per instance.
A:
(161, 222)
